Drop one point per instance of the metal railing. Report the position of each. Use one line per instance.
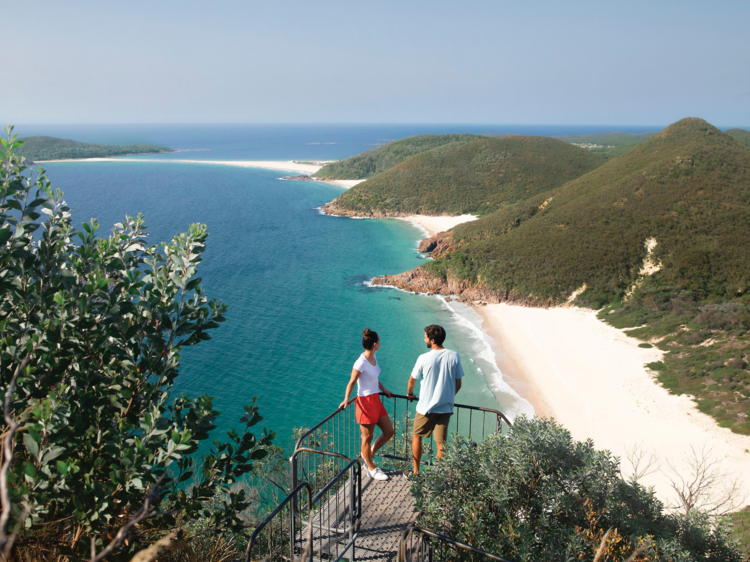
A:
(338, 433)
(422, 545)
(329, 530)
(325, 464)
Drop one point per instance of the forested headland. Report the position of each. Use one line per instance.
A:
(382, 158)
(51, 148)
(477, 176)
(657, 239)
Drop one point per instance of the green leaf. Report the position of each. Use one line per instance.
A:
(29, 469)
(62, 468)
(31, 446)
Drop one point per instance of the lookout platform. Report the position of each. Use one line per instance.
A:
(335, 511)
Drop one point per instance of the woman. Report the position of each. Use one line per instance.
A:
(369, 410)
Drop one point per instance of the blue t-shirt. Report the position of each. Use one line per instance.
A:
(439, 369)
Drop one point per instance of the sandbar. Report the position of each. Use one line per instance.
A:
(282, 165)
(433, 225)
(592, 378)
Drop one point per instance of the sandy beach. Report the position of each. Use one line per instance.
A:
(433, 225)
(281, 165)
(592, 379)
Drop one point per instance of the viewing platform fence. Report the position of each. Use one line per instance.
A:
(339, 433)
(322, 517)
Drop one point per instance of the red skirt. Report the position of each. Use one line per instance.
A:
(369, 409)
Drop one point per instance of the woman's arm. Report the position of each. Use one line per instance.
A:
(349, 387)
(384, 389)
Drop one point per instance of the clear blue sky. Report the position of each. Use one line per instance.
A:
(531, 62)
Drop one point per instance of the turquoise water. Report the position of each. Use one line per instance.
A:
(295, 282)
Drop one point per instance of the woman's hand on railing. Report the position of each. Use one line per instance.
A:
(387, 392)
(342, 406)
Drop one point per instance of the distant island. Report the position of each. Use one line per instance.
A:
(50, 148)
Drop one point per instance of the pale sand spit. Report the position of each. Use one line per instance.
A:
(592, 379)
(344, 183)
(433, 225)
(288, 165)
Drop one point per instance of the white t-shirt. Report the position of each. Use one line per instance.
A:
(368, 379)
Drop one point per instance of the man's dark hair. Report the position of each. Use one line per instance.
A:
(369, 338)
(435, 332)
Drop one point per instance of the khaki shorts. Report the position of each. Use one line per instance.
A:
(425, 425)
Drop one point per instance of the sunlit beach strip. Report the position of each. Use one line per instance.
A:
(592, 378)
(281, 165)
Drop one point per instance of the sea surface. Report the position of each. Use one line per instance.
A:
(296, 281)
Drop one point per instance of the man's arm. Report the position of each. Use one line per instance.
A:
(410, 388)
(458, 385)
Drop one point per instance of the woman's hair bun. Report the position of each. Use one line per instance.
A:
(369, 338)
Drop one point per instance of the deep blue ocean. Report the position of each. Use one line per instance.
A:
(295, 280)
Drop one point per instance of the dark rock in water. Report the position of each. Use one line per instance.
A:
(298, 178)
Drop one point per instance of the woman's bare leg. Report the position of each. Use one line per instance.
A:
(384, 423)
(367, 432)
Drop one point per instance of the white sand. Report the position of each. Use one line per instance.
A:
(433, 225)
(287, 165)
(344, 183)
(592, 379)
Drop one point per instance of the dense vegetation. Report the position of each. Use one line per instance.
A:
(610, 145)
(50, 148)
(688, 188)
(740, 135)
(90, 336)
(535, 494)
(376, 160)
(479, 176)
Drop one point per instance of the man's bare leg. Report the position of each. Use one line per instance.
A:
(416, 452)
(440, 449)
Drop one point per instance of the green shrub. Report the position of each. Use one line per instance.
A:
(536, 494)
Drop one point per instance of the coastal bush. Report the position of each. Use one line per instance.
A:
(536, 494)
(478, 176)
(94, 438)
(50, 148)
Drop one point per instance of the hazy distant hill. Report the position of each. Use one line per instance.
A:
(479, 176)
(686, 194)
(379, 159)
(740, 135)
(50, 148)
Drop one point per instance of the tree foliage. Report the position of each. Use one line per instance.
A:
(91, 330)
(536, 494)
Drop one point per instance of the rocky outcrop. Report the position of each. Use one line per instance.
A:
(437, 245)
(332, 208)
(298, 178)
(420, 281)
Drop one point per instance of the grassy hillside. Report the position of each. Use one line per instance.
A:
(50, 148)
(372, 162)
(479, 176)
(740, 135)
(687, 188)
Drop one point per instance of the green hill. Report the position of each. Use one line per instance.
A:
(51, 148)
(740, 135)
(479, 176)
(688, 189)
(376, 160)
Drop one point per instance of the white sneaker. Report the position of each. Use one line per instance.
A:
(377, 474)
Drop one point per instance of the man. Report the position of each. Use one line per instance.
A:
(441, 373)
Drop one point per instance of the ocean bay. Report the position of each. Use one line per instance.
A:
(294, 280)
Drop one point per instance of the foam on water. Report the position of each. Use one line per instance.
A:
(481, 344)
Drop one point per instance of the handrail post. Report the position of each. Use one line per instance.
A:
(352, 510)
(292, 529)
